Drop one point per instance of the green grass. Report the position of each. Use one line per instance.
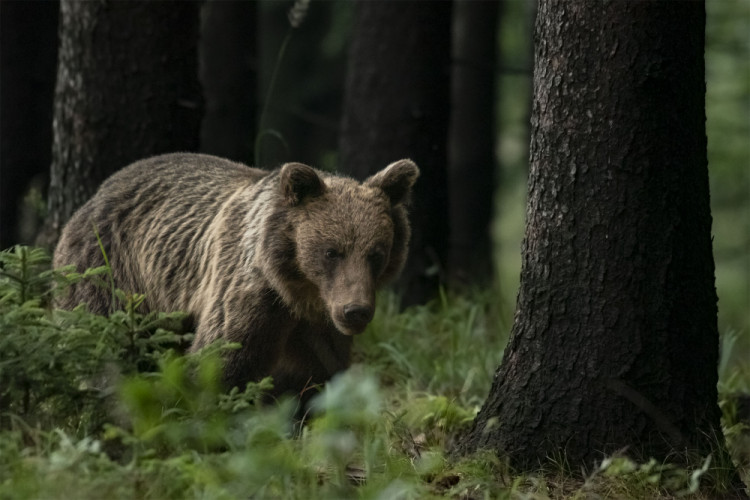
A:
(96, 407)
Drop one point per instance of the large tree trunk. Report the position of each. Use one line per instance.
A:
(228, 72)
(471, 172)
(28, 50)
(615, 340)
(127, 87)
(397, 106)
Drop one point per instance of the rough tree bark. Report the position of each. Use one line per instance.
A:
(615, 339)
(127, 87)
(228, 72)
(471, 146)
(396, 106)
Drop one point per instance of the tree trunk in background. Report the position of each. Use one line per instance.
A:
(615, 340)
(28, 47)
(471, 165)
(304, 112)
(228, 72)
(397, 106)
(127, 88)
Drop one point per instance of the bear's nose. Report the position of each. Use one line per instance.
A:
(358, 314)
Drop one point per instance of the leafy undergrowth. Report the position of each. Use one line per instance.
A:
(94, 407)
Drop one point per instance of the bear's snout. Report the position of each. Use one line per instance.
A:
(353, 318)
(358, 314)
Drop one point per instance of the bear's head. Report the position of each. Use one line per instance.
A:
(346, 239)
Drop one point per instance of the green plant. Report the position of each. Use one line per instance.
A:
(57, 367)
(432, 348)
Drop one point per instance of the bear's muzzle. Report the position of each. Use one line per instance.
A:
(353, 318)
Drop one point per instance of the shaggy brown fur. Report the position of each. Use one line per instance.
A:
(283, 262)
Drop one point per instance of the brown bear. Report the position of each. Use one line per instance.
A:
(285, 262)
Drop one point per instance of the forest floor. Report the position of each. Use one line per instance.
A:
(98, 407)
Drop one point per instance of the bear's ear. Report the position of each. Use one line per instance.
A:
(396, 180)
(299, 182)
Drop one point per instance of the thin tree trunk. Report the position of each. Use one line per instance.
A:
(127, 87)
(397, 106)
(471, 172)
(615, 340)
(229, 66)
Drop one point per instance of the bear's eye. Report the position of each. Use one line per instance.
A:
(376, 259)
(332, 254)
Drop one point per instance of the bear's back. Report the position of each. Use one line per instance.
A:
(178, 172)
(151, 218)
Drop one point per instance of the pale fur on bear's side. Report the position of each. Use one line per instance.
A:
(284, 262)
